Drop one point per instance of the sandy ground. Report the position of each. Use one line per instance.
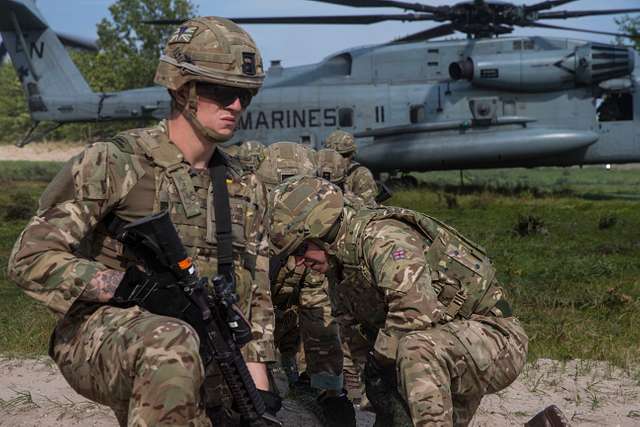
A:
(33, 393)
(41, 151)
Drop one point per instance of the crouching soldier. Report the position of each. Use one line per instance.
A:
(147, 366)
(441, 335)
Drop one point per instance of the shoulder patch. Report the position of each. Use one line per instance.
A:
(399, 254)
(123, 144)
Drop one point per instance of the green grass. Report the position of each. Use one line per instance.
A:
(575, 286)
(26, 325)
(22, 170)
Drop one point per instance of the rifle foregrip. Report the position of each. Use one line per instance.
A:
(247, 399)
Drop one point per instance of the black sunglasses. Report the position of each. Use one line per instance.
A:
(225, 95)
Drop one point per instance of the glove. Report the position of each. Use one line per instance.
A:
(380, 385)
(337, 410)
(157, 293)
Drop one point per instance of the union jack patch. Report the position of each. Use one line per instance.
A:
(183, 35)
(398, 254)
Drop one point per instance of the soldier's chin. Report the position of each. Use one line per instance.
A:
(224, 134)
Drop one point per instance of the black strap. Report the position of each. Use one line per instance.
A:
(222, 212)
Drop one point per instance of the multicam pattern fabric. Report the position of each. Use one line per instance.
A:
(443, 372)
(283, 160)
(210, 50)
(389, 297)
(138, 174)
(341, 141)
(250, 154)
(359, 181)
(332, 166)
(302, 208)
(144, 366)
(387, 288)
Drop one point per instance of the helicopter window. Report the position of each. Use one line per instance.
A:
(345, 117)
(305, 139)
(616, 107)
(417, 114)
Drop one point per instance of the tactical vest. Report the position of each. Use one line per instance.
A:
(188, 196)
(461, 273)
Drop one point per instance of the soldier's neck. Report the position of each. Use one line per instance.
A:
(196, 150)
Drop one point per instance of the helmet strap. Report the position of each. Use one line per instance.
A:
(333, 232)
(189, 109)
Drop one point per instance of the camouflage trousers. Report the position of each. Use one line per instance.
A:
(307, 335)
(444, 372)
(144, 366)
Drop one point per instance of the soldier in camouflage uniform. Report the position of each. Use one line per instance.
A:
(441, 334)
(147, 367)
(306, 334)
(249, 153)
(357, 178)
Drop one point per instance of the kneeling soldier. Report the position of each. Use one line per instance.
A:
(426, 297)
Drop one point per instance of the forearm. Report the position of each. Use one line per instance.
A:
(102, 286)
(259, 374)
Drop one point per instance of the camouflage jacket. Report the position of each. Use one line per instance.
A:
(359, 181)
(137, 174)
(394, 277)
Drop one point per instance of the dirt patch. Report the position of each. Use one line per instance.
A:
(41, 151)
(33, 393)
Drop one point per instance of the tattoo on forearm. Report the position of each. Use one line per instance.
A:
(102, 287)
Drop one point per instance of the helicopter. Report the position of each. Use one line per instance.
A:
(414, 104)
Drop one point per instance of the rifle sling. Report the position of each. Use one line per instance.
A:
(222, 212)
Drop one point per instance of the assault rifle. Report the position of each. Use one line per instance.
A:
(171, 286)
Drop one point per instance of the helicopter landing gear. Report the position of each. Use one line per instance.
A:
(30, 136)
(403, 181)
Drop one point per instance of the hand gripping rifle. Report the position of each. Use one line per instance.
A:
(171, 287)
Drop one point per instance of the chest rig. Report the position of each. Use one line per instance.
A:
(188, 196)
(462, 275)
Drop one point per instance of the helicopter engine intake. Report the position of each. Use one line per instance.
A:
(527, 71)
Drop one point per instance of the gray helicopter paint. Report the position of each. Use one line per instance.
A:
(380, 85)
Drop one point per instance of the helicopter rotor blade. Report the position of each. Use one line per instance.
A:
(416, 7)
(546, 5)
(566, 14)
(336, 19)
(581, 30)
(431, 33)
(327, 19)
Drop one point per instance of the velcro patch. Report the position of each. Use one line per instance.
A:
(249, 63)
(183, 35)
(399, 254)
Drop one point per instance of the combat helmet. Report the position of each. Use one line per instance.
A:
(286, 159)
(341, 141)
(302, 208)
(209, 50)
(331, 166)
(250, 154)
